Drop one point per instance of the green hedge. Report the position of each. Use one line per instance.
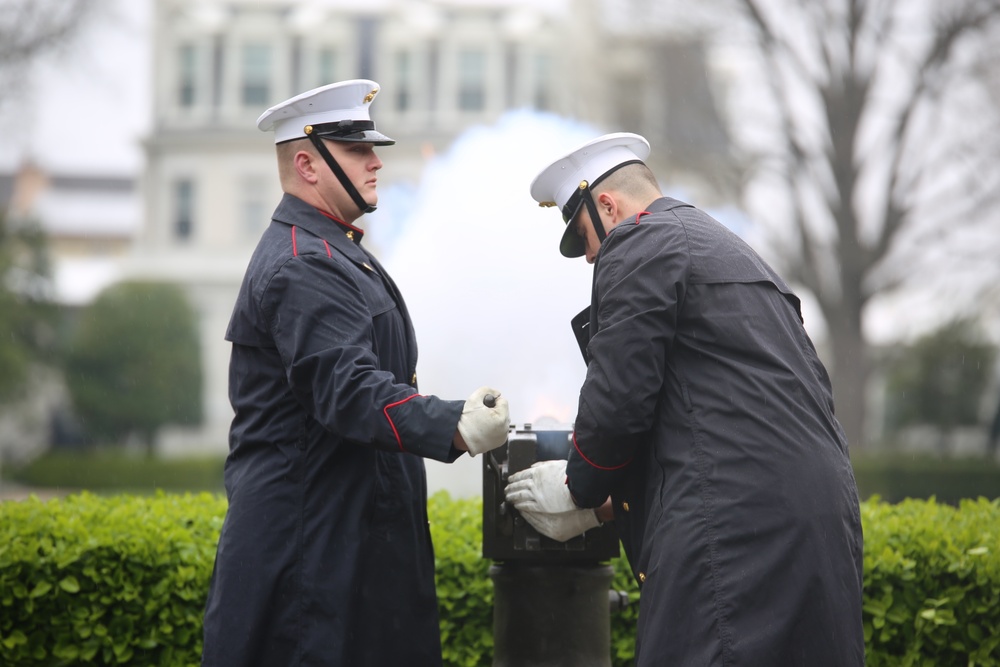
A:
(465, 592)
(122, 580)
(897, 477)
(106, 581)
(115, 470)
(932, 583)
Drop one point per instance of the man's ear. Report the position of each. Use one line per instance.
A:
(609, 206)
(305, 166)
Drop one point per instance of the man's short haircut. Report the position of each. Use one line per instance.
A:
(286, 151)
(635, 181)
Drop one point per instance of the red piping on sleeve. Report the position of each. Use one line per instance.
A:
(295, 247)
(327, 246)
(584, 457)
(385, 411)
(639, 215)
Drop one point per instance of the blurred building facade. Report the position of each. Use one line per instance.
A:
(90, 222)
(210, 181)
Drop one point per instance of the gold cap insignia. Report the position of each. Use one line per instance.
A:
(370, 96)
(308, 129)
(546, 204)
(583, 185)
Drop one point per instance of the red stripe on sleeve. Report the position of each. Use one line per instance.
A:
(385, 411)
(584, 457)
(295, 247)
(327, 246)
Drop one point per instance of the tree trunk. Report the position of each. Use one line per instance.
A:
(849, 374)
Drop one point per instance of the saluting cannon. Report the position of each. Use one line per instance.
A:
(552, 600)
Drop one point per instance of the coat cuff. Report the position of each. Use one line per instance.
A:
(593, 473)
(424, 426)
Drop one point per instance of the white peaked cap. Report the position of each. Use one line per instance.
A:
(333, 103)
(590, 162)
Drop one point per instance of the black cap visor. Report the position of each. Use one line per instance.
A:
(572, 244)
(352, 131)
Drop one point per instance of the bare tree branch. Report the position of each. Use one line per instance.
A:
(927, 91)
(806, 271)
(864, 96)
(31, 27)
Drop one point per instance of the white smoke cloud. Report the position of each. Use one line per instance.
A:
(478, 264)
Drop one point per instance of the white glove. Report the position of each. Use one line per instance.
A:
(481, 427)
(562, 526)
(540, 488)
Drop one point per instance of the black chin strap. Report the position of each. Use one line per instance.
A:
(339, 173)
(595, 219)
(583, 195)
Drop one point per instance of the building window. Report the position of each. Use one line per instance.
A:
(542, 98)
(404, 81)
(295, 61)
(510, 76)
(326, 66)
(471, 80)
(629, 115)
(218, 69)
(183, 208)
(366, 31)
(256, 74)
(433, 74)
(254, 203)
(187, 60)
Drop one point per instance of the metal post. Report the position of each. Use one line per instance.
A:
(551, 615)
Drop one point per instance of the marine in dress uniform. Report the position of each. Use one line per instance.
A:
(708, 418)
(325, 555)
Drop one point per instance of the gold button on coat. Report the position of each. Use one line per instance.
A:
(642, 577)
(625, 506)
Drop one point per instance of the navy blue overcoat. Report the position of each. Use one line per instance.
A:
(325, 556)
(708, 417)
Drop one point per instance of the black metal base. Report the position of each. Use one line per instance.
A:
(551, 615)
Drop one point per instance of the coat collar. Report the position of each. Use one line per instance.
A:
(340, 235)
(665, 204)
(657, 206)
